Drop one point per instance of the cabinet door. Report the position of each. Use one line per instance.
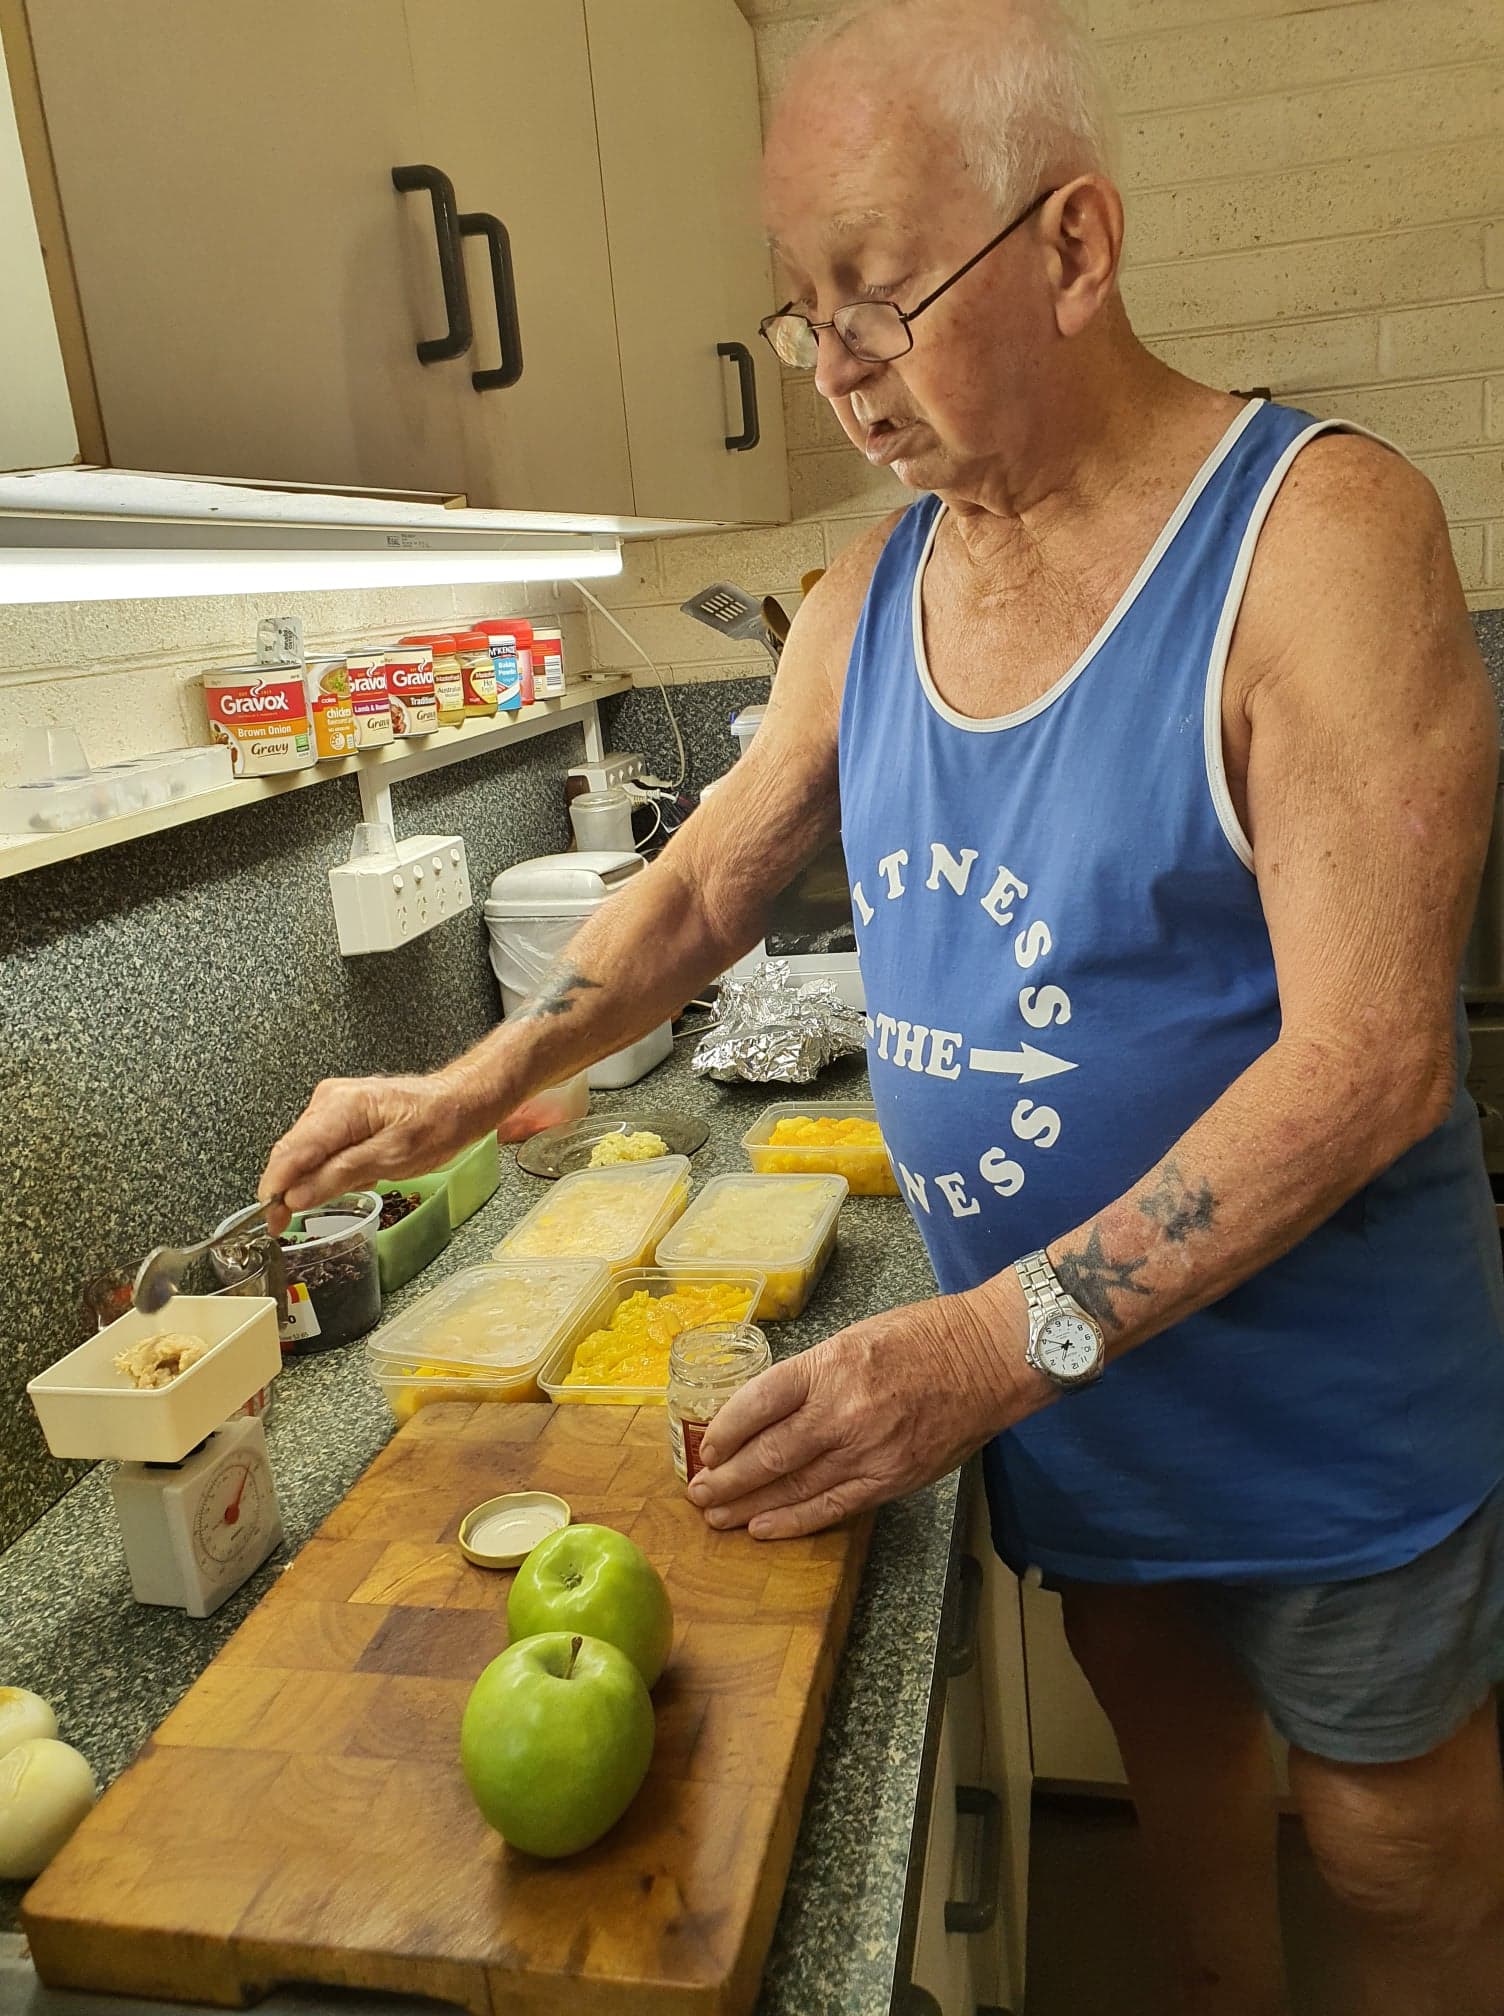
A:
(945, 1961)
(252, 285)
(36, 416)
(676, 110)
(504, 87)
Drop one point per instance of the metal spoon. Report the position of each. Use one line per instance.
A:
(158, 1276)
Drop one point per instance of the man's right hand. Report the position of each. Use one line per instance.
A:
(358, 1130)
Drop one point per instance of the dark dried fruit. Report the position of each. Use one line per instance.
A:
(398, 1205)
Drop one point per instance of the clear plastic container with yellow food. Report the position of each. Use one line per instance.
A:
(783, 1227)
(483, 1334)
(620, 1355)
(820, 1138)
(616, 1216)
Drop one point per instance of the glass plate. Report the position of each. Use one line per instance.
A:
(560, 1151)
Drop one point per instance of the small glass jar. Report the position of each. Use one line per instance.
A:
(705, 1367)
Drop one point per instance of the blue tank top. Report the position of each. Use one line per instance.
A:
(1065, 963)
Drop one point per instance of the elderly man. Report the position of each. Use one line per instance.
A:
(1162, 757)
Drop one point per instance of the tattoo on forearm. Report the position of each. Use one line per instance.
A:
(558, 993)
(1178, 1208)
(1093, 1279)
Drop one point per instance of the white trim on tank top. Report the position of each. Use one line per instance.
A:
(1124, 603)
(1216, 670)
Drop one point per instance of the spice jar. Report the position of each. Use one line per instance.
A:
(512, 648)
(448, 677)
(548, 661)
(478, 674)
(705, 1367)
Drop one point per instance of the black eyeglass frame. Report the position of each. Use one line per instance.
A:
(905, 316)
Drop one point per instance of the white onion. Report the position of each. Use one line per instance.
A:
(22, 1716)
(46, 1788)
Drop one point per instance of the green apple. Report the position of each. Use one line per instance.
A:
(556, 1738)
(596, 1581)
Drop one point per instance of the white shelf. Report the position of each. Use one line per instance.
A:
(376, 771)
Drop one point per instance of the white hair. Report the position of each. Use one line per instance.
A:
(1018, 85)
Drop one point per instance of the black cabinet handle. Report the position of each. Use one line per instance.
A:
(961, 1651)
(481, 224)
(416, 175)
(746, 372)
(979, 1913)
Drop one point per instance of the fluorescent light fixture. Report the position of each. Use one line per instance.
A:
(91, 536)
(136, 574)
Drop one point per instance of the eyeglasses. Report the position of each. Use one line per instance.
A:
(875, 332)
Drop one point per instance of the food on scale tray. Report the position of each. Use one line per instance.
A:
(614, 1149)
(157, 1361)
(633, 1348)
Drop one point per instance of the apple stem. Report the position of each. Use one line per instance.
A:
(574, 1653)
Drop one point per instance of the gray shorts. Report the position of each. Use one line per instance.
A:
(1382, 1668)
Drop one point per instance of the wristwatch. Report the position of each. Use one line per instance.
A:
(1065, 1344)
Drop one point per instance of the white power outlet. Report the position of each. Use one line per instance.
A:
(379, 905)
(615, 767)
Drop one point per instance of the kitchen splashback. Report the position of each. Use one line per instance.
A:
(165, 1009)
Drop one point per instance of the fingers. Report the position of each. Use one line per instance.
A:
(769, 1398)
(332, 1122)
(823, 1473)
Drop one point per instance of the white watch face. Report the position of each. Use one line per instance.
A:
(1068, 1347)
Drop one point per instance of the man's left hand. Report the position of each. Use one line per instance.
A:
(877, 1410)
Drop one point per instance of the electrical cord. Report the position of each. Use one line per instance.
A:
(668, 707)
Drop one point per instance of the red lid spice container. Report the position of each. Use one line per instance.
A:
(409, 678)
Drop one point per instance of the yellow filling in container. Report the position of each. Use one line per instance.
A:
(633, 1349)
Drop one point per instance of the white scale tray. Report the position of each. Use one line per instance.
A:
(88, 1409)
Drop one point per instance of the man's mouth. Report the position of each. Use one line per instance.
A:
(880, 439)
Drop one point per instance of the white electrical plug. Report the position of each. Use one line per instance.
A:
(385, 901)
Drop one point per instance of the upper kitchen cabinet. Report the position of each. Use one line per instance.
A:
(239, 287)
(676, 111)
(504, 249)
(504, 88)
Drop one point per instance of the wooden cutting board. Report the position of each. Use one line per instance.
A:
(301, 1816)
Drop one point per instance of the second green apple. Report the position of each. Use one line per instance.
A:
(594, 1580)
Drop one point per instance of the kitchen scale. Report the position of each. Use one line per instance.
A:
(193, 1492)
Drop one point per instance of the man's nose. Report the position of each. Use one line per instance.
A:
(837, 372)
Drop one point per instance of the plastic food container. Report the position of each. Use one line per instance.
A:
(483, 1334)
(333, 1275)
(472, 1178)
(781, 1226)
(868, 1170)
(616, 1216)
(416, 1241)
(89, 1409)
(744, 1292)
(57, 804)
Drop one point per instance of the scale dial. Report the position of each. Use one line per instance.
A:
(230, 1517)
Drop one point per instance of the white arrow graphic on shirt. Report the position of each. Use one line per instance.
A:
(1026, 1063)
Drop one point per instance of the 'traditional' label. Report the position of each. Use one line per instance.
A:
(260, 714)
(409, 678)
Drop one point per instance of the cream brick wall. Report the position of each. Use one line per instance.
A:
(1315, 203)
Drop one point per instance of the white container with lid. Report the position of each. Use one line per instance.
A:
(484, 1333)
(602, 821)
(783, 1227)
(745, 724)
(532, 913)
(615, 1216)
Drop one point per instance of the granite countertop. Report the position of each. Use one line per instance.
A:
(70, 1629)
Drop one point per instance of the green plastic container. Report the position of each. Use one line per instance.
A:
(473, 1177)
(406, 1248)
